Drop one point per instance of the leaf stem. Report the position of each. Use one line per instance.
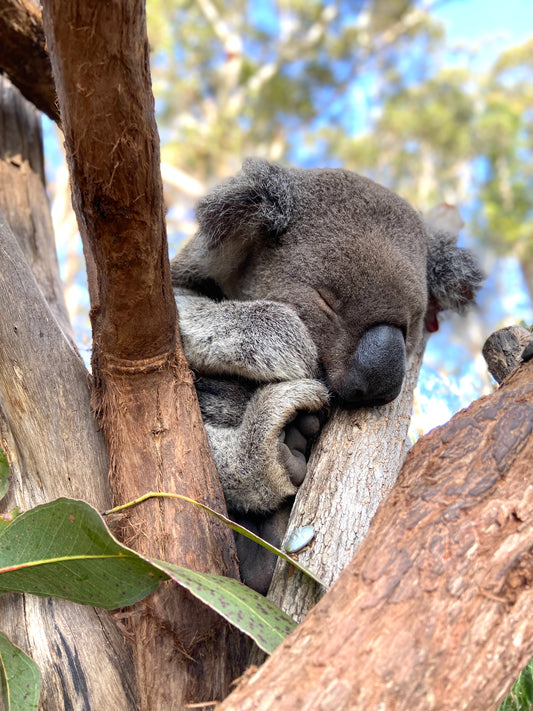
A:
(224, 519)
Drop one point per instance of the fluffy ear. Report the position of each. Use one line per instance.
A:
(454, 275)
(258, 200)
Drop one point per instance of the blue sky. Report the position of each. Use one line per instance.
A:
(510, 21)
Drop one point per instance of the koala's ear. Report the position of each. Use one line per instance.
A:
(453, 274)
(258, 201)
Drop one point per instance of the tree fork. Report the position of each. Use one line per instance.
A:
(435, 611)
(144, 393)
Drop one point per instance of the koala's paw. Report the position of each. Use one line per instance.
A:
(278, 428)
(295, 441)
(256, 563)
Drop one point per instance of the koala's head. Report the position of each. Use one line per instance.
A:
(355, 261)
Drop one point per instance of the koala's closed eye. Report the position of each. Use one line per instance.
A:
(327, 303)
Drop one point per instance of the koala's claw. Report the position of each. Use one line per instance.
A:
(295, 443)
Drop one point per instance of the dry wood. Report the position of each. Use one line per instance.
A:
(436, 609)
(145, 397)
(23, 197)
(23, 54)
(46, 427)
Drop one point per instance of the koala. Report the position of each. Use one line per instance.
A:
(302, 287)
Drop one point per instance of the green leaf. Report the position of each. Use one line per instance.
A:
(4, 475)
(20, 680)
(227, 522)
(63, 548)
(246, 609)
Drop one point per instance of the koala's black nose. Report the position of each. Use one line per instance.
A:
(377, 368)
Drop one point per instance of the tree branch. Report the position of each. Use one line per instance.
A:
(144, 393)
(354, 465)
(23, 54)
(230, 40)
(181, 181)
(52, 442)
(290, 49)
(443, 575)
(23, 196)
(115, 172)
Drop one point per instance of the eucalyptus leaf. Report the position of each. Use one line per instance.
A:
(20, 679)
(227, 522)
(246, 609)
(63, 548)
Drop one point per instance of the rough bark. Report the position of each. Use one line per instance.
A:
(46, 426)
(436, 609)
(503, 350)
(145, 397)
(354, 465)
(23, 53)
(23, 197)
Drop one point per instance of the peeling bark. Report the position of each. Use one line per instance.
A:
(435, 611)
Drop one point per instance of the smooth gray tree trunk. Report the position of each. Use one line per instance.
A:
(353, 467)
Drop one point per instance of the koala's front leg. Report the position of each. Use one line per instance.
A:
(262, 461)
(263, 341)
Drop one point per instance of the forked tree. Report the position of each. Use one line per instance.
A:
(434, 610)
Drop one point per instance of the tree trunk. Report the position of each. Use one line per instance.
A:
(527, 270)
(436, 609)
(23, 197)
(46, 426)
(354, 465)
(144, 394)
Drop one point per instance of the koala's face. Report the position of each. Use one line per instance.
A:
(348, 255)
(363, 302)
(352, 263)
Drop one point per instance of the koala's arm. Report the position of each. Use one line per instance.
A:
(251, 458)
(259, 340)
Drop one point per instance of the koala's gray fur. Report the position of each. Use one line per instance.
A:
(261, 340)
(301, 285)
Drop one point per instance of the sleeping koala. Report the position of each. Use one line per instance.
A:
(301, 286)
